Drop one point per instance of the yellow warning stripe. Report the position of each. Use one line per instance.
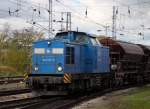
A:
(67, 78)
(66, 81)
(25, 76)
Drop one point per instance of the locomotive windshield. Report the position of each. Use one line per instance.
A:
(81, 39)
(60, 36)
(77, 37)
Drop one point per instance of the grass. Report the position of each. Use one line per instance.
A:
(134, 99)
(10, 74)
(138, 98)
(7, 71)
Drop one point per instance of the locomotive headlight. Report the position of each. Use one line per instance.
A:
(36, 68)
(48, 43)
(59, 68)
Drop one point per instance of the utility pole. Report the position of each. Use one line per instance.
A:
(106, 29)
(68, 22)
(62, 19)
(50, 18)
(17, 8)
(114, 23)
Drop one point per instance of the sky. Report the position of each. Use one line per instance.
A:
(132, 16)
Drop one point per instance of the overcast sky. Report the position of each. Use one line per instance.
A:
(133, 16)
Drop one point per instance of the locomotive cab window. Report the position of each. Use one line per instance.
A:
(60, 36)
(82, 39)
(70, 55)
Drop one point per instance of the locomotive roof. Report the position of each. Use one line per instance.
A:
(79, 33)
(66, 33)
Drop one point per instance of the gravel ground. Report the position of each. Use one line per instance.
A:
(12, 86)
(103, 101)
(15, 97)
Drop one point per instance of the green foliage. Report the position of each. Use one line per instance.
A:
(138, 100)
(17, 59)
(16, 50)
(134, 99)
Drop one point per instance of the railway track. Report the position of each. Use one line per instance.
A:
(14, 92)
(18, 103)
(55, 102)
(70, 101)
(61, 102)
(27, 103)
(6, 80)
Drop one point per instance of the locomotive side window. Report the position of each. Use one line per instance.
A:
(70, 55)
(94, 41)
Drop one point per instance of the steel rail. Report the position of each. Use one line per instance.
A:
(14, 92)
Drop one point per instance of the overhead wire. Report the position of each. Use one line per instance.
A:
(26, 8)
(140, 3)
(107, 6)
(79, 15)
(82, 18)
(76, 16)
(129, 12)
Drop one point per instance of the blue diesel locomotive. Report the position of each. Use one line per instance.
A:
(72, 61)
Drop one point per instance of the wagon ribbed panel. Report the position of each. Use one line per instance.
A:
(131, 48)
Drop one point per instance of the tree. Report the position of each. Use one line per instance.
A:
(4, 37)
(16, 48)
